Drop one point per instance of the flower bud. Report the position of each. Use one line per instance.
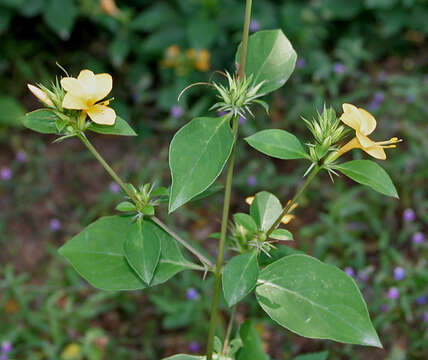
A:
(41, 95)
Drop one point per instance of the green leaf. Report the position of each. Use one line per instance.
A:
(120, 127)
(270, 58)
(185, 357)
(240, 276)
(252, 344)
(142, 249)
(213, 189)
(125, 206)
(277, 143)
(97, 254)
(197, 155)
(11, 112)
(42, 121)
(281, 234)
(315, 300)
(246, 221)
(201, 33)
(369, 173)
(60, 16)
(265, 210)
(313, 356)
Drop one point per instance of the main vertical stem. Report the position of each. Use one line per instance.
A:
(220, 256)
(227, 192)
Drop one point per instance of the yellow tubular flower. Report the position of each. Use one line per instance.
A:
(364, 124)
(86, 92)
(40, 94)
(249, 200)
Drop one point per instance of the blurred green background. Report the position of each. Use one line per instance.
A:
(372, 53)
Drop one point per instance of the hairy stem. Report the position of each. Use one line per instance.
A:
(204, 260)
(243, 59)
(296, 197)
(183, 242)
(220, 256)
(229, 330)
(227, 191)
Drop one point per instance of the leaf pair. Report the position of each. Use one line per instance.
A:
(46, 122)
(281, 144)
(98, 254)
(200, 149)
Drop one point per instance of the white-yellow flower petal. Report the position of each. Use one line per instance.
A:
(74, 102)
(72, 85)
(376, 151)
(88, 83)
(350, 116)
(103, 86)
(102, 115)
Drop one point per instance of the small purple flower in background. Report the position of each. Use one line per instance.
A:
(426, 78)
(21, 156)
(254, 26)
(384, 308)
(241, 120)
(422, 300)
(393, 293)
(114, 187)
(399, 273)
(177, 111)
(252, 181)
(409, 215)
(426, 317)
(418, 238)
(350, 271)
(6, 347)
(364, 275)
(300, 63)
(55, 225)
(379, 97)
(192, 294)
(5, 173)
(194, 347)
(221, 113)
(339, 68)
(410, 98)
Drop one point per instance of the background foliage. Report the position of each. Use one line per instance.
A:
(369, 52)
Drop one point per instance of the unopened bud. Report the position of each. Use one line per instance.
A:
(41, 95)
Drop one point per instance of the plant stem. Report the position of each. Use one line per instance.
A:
(229, 330)
(220, 255)
(227, 191)
(202, 258)
(243, 59)
(125, 188)
(296, 197)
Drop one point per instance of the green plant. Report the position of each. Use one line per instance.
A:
(136, 250)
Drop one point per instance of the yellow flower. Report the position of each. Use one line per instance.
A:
(249, 200)
(109, 7)
(85, 93)
(171, 55)
(71, 352)
(364, 124)
(199, 58)
(40, 94)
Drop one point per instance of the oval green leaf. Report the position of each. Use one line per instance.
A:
(197, 155)
(97, 254)
(277, 143)
(315, 300)
(367, 172)
(270, 58)
(120, 127)
(240, 276)
(265, 210)
(246, 221)
(142, 249)
(42, 121)
(282, 235)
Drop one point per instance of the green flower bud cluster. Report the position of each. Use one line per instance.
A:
(237, 97)
(148, 197)
(327, 131)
